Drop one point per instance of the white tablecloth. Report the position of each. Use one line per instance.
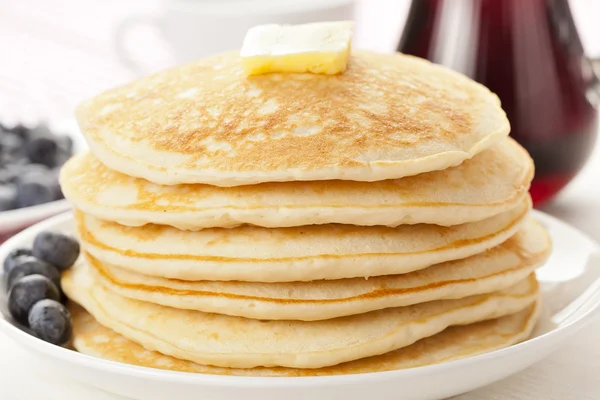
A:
(43, 41)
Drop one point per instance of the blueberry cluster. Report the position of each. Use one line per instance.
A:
(32, 278)
(30, 159)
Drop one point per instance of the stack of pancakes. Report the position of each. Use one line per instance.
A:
(301, 224)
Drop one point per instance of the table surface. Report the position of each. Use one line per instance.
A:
(55, 53)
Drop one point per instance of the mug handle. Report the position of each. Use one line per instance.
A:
(121, 32)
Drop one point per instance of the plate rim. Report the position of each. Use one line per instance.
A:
(15, 217)
(32, 343)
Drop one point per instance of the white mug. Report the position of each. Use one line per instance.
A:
(197, 28)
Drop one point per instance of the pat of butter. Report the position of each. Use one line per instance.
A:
(319, 48)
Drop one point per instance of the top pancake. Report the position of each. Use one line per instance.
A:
(388, 116)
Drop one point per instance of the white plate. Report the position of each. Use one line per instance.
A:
(570, 283)
(13, 220)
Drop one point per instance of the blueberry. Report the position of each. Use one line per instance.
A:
(14, 258)
(26, 292)
(42, 146)
(54, 179)
(63, 296)
(8, 196)
(42, 150)
(20, 162)
(20, 130)
(61, 159)
(56, 248)
(12, 147)
(51, 321)
(65, 144)
(29, 265)
(33, 169)
(9, 173)
(29, 172)
(6, 158)
(34, 189)
(11, 142)
(41, 130)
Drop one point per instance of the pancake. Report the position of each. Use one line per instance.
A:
(492, 182)
(493, 270)
(388, 116)
(91, 338)
(236, 342)
(254, 254)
